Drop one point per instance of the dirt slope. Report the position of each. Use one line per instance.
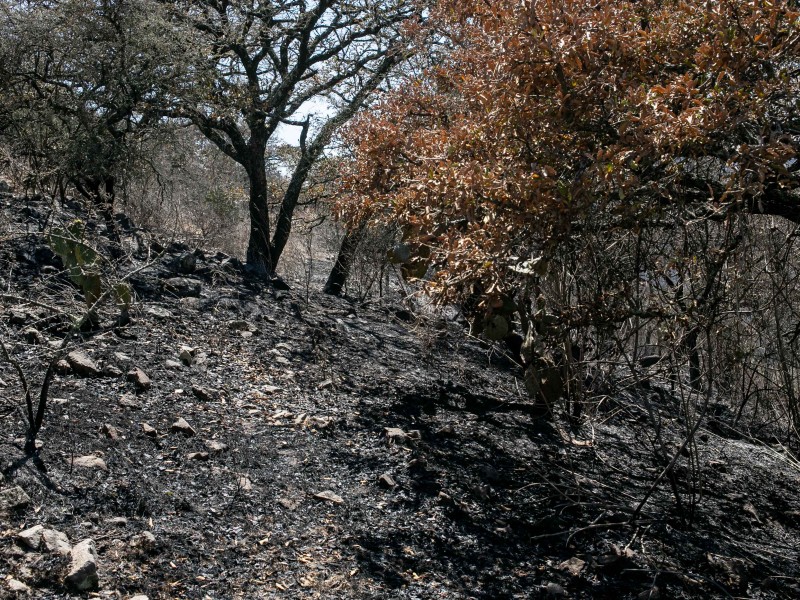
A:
(336, 451)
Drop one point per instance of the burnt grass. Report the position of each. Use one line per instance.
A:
(289, 398)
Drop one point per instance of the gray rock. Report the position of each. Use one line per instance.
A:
(395, 435)
(182, 287)
(31, 538)
(202, 456)
(34, 336)
(17, 317)
(187, 263)
(139, 379)
(82, 365)
(216, 447)
(89, 462)
(329, 496)
(573, 566)
(240, 325)
(149, 430)
(387, 481)
(204, 394)
(112, 371)
(129, 401)
(173, 364)
(82, 574)
(17, 587)
(56, 541)
(13, 498)
(187, 355)
(181, 426)
(139, 597)
(159, 312)
(110, 431)
(144, 541)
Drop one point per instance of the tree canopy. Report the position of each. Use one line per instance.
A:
(552, 117)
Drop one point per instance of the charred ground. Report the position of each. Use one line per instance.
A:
(435, 480)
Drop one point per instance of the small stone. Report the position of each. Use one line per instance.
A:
(34, 336)
(118, 521)
(197, 456)
(445, 499)
(139, 379)
(246, 334)
(110, 431)
(387, 481)
(82, 365)
(13, 498)
(573, 566)
(112, 371)
(395, 435)
(289, 503)
(139, 597)
(652, 594)
(245, 484)
(56, 541)
(187, 355)
(159, 312)
(325, 384)
(329, 496)
(317, 422)
(183, 287)
(18, 587)
(181, 426)
(62, 367)
(31, 538)
(187, 263)
(145, 540)
(173, 364)
(149, 430)
(129, 401)
(216, 447)
(90, 462)
(553, 589)
(17, 317)
(82, 574)
(270, 389)
(204, 394)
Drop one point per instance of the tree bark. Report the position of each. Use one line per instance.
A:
(341, 269)
(259, 251)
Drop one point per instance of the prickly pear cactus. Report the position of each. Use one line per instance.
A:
(84, 266)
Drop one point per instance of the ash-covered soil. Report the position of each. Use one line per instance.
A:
(335, 450)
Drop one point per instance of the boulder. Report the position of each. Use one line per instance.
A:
(82, 574)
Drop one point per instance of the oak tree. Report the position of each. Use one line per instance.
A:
(258, 65)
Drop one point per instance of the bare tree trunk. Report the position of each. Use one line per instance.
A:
(341, 269)
(259, 251)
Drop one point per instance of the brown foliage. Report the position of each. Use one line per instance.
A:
(550, 117)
